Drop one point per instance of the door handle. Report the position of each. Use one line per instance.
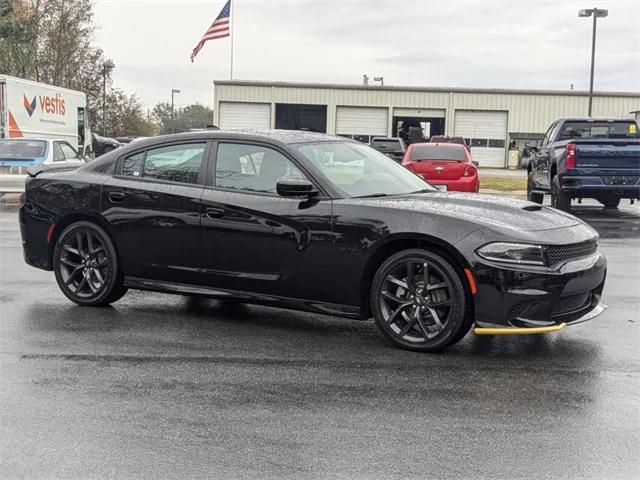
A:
(215, 212)
(116, 197)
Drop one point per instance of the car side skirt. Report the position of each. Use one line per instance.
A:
(162, 286)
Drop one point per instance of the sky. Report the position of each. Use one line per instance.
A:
(540, 44)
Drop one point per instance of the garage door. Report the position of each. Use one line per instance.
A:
(486, 133)
(362, 121)
(235, 115)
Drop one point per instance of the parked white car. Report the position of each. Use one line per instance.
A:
(18, 154)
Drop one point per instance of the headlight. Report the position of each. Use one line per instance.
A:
(519, 253)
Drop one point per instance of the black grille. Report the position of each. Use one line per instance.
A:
(563, 253)
(517, 310)
(571, 303)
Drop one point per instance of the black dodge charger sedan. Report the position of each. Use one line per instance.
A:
(311, 222)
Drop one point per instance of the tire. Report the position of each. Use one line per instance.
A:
(86, 265)
(559, 199)
(414, 317)
(610, 202)
(531, 195)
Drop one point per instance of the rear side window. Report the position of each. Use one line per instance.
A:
(58, 154)
(438, 152)
(175, 163)
(68, 151)
(595, 130)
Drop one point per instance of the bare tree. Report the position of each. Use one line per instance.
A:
(52, 42)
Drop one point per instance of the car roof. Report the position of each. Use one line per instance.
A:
(287, 137)
(594, 119)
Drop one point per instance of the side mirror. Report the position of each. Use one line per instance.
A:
(295, 187)
(476, 163)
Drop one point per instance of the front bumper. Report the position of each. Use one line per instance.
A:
(519, 297)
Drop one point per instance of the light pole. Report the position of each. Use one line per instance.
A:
(173, 92)
(379, 79)
(595, 12)
(107, 66)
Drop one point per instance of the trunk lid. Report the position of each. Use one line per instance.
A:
(439, 169)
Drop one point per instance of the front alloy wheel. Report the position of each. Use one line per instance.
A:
(419, 302)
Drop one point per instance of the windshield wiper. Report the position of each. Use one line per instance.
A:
(424, 190)
(374, 195)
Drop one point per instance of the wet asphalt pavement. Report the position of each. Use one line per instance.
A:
(162, 386)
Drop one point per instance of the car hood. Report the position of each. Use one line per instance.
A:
(484, 210)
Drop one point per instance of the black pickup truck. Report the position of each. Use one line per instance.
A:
(586, 158)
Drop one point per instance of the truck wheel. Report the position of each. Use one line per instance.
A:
(531, 195)
(559, 199)
(610, 202)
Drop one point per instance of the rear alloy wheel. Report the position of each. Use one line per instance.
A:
(531, 195)
(418, 301)
(85, 265)
(559, 199)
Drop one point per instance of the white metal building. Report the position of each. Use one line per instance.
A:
(488, 118)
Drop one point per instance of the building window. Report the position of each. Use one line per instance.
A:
(479, 142)
(493, 143)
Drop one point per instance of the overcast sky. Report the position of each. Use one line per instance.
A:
(513, 44)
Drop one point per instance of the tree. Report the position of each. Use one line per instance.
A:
(51, 41)
(125, 116)
(184, 119)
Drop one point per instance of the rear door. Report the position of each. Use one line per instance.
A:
(255, 240)
(153, 206)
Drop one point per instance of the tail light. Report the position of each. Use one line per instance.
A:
(409, 166)
(571, 155)
(469, 171)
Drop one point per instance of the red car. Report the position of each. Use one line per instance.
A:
(446, 166)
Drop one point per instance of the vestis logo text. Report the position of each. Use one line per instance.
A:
(53, 105)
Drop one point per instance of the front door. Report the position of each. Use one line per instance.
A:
(541, 158)
(153, 207)
(257, 241)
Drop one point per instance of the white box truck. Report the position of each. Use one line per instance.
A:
(37, 110)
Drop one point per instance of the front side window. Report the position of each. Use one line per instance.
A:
(359, 171)
(547, 135)
(175, 163)
(254, 168)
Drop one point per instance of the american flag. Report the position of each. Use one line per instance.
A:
(218, 29)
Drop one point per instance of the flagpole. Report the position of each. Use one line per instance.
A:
(232, 33)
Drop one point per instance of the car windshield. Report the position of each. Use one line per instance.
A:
(360, 171)
(32, 149)
(438, 152)
(595, 130)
